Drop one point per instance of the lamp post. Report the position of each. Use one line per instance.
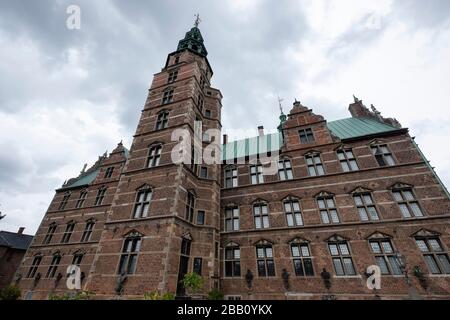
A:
(401, 261)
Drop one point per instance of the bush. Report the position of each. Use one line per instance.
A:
(215, 294)
(193, 282)
(154, 295)
(81, 295)
(11, 292)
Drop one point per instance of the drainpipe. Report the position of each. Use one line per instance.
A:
(430, 167)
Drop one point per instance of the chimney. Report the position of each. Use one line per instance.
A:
(260, 131)
(225, 139)
(20, 230)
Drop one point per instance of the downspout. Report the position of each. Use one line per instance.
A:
(430, 167)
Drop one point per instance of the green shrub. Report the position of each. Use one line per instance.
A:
(81, 295)
(215, 294)
(11, 292)
(154, 295)
(193, 282)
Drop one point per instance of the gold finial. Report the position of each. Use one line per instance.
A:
(197, 20)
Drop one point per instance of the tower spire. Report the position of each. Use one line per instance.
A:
(197, 20)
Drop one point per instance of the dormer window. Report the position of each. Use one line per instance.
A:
(306, 135)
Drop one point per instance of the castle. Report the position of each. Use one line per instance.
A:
(345, 195)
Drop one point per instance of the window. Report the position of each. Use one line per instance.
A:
(306, 135)
(81, 199)
(232, 261)
(100, 196)
(34, 266)
(53, 266)
(64, 201)
(204, 172)
(342, 259)
(302, 260)
(285, 170)
(256, 174)
(261, 216)
(87, 231)
(167, 96)
(77, 258)
(197, 267)
(109, 172)
(200, 102)
(185, 247)
(50, 232)
(208, 113)
(172, 76)
(142, 204)
(68, 233)
(347, 160)
(265, 262)
(366, 207)
(383, 155)
(216, 250)
(154, 155)
(162, 120)
(232, 219)
(231, 177)
(201, 217)
(385, 256)
(293, 213)
(128, 259)
(177, 60)
(407, 202)
(328, 211)
(190, 207)
(314, 164)
(435, 256)
(202, 82)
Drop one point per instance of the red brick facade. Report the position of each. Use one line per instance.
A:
(182, 91)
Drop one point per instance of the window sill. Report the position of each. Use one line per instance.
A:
(348, 277)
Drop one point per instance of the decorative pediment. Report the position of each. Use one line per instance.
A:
(400, 185)
(188, 236)
(143, 187)
(231, 244)
(192, 191)
(57, 253)
(324, 194)
(312, 153)
(359, 190)
(169, 88)
(343, 146)
(155, 143)
(71, 222)
(424, 233)
(336, 238)
(231, 205)
(298, 240)
(79, 251)
(263, 242)
(377, 235)
(93, 220)
(162, 111)
(133, 234)
(376, 142)
(290, 197)
(259, 200)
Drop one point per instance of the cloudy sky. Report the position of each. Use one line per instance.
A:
(66, 96)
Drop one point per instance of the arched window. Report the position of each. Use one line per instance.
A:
(285, 170)
(50, 232)
(327, 208)
(81, 199)
(406, 200)
(293, 212)
(232, 260)
(264, 259)
(162, 120)
(142, 204)
(314, 164)
(34, 266)
(154, 155)
(261, 215)
(100, 196)
(231, 177)
(87, 233)
(68, 232)
(341, 256)
(64, 201)
(53, 265)
(302, 258)
(130, 252)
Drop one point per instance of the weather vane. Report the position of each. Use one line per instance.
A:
(197, 20)
(279, 103)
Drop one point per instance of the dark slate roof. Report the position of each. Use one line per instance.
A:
(358, 127)
(15, 240)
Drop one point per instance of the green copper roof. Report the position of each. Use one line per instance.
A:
(357, 127)
(252, 146)
(83, 180)
(343, 129)
(193, 41)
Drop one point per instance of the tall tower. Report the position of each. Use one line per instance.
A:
(164, 220)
